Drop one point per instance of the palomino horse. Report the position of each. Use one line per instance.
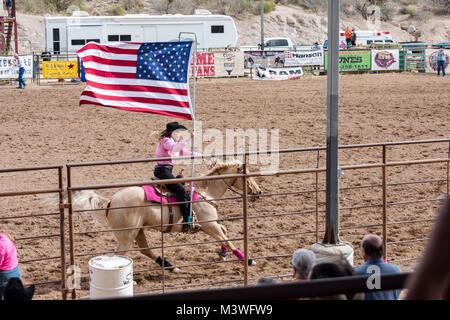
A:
(142, 215)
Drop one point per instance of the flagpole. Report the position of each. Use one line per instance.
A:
(193, 130)
(193, 121)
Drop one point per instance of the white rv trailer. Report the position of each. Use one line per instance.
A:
(366, 37)
(68, 34)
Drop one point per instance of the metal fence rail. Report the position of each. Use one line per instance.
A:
(285, 291)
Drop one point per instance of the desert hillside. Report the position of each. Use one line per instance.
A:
(305, 22)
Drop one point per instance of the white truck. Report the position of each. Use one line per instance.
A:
(68, 34)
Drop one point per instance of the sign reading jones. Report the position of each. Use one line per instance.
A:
(219, 64)
(359, 60)
(262, 73)
(9, 71)
(303, 58)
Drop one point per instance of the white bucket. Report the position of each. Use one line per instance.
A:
(110, 277)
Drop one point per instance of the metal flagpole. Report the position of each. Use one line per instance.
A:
(193, 130)
(332, 188)
(193, 118)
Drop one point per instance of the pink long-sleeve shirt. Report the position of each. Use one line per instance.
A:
(8, 254)
(167, 148)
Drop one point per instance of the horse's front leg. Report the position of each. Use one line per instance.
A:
(218, 232)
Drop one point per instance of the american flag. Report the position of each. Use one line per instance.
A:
(143, 77)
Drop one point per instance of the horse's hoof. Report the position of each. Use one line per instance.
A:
(175, 270)
(251, 262)
(224, 255)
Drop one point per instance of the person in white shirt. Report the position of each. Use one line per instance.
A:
(20, 64)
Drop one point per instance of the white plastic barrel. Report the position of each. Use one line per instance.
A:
(110, 276)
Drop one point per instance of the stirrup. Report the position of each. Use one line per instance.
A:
(191, 226)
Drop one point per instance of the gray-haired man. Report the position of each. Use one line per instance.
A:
(302, 262)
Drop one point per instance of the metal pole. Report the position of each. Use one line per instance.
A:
(262, 25)
(245, 201)
(193, 129)
(71, 232)
(62, 242)
(162, 242)
(384, 205)
(317, 197)
(332, 201)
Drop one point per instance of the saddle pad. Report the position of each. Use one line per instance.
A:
(152, 195)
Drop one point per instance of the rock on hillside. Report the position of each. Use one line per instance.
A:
(302, 26)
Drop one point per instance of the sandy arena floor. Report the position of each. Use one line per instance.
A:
(45, 126)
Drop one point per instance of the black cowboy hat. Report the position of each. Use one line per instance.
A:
(172, 126)
(15, 291)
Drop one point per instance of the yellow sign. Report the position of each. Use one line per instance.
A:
(60, 69)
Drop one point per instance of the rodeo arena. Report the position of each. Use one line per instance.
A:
(341, 151)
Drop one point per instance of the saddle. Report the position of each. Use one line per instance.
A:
(162, 190)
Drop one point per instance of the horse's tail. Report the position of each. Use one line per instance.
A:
(89, 200)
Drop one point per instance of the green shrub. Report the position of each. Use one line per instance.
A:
(116, 11)
(408, 10)
(269, 6)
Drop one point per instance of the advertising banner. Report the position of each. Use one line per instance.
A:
(60, 69)
(353, 60)
(8, 70)
(262, 73)
(385, 60)
(266, 59)
(219, 64)
(431, 55)
(303, 58)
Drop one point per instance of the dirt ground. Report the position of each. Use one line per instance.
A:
(43, 125)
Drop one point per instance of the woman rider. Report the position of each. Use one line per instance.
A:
(167, 146)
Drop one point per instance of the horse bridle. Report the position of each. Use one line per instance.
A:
(230, 187)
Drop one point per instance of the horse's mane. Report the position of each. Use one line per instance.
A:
(220, 166)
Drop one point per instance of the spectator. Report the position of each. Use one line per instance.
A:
(372, 252)
(8, 4)
(9, 266)
(353, 37)
(348, 36)
(302, 263)
(21, 66)
(15, 291)
(431, 280)
(335, 270)
(441, 61)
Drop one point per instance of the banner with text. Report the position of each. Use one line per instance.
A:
(219, 64)
(262, 73)
(431, 55)
(303, 58)
(59, 69)
(385, 60)
(353, 60)
(8, 70)
(265, 59)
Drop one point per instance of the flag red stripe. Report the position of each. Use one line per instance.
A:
(107, 74)
(161, 112)
(104, 48)
(124, 87)
(163, 102)
(122, 63)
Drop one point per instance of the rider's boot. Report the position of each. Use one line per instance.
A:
(190, 227)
